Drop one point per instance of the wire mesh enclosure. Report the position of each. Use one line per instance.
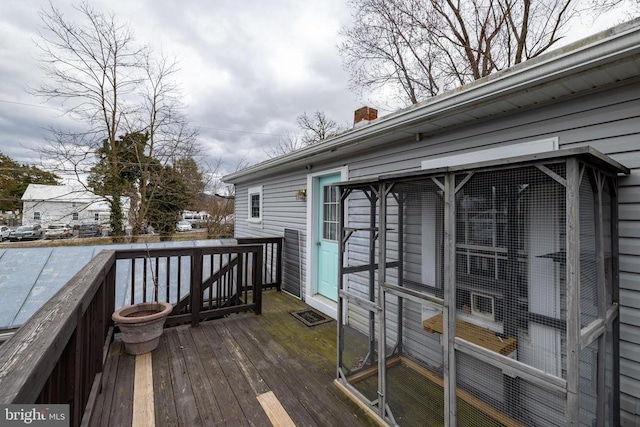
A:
(483, 295)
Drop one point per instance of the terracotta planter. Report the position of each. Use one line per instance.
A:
(141, 325)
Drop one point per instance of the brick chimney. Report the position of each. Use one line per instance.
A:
(364, 113)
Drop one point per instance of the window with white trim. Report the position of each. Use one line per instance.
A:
(254, 201)
(74, 216)
(36, 216)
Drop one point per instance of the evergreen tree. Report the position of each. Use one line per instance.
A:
(14, 180)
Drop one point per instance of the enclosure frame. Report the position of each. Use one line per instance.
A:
(578, 338)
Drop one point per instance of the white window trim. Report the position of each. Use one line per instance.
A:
(250, 192)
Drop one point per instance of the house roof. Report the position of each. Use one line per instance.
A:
(62, 193)
(68, 194)
(599, 60)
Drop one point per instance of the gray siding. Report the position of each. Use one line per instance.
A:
(280, 210)
(608, 120)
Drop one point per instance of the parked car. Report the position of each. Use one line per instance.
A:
(58, 231)
(4, 233)
(183, 226)
(89, 230)
(26, 232)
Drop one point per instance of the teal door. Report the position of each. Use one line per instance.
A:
(327, 233)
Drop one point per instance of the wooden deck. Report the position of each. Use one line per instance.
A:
(260, 370)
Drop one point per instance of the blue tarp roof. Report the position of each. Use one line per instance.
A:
(30, 276)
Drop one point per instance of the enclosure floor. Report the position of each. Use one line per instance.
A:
(415, 400)
(213, 374)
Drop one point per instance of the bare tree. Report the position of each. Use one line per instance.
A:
(419, 48)
(283, 145)
(112, 87)
(219, 204)
(315, 128)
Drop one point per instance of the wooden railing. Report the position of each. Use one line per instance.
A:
(272, 265)
(57, 357)
(201, 283)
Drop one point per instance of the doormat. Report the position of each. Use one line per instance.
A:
(311, 317)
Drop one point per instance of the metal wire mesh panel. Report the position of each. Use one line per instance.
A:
(539, 406)
(609, 397)
(489, 255)
(588, 264)
(414, 254)
(607, 240)
(359, 359)
(485, 398)
(361, 252)
(414, 372)
(510, 284)
(588, 384)
(421, 402)
(510, 263)
(416, 211)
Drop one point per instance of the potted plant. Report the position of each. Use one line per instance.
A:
(141, 324)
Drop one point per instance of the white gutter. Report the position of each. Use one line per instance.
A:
(606, 47)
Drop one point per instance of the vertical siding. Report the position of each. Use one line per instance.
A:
(607, 120)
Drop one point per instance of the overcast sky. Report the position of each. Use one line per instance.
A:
(248, 68)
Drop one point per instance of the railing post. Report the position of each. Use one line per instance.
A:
(257, 284)
(196, 286)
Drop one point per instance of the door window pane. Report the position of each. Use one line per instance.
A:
(330, 212)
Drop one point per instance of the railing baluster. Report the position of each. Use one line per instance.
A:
(229, 284)
(179, 295)
(156, 281)
(257, 285)
(220, 282)
(168, 280)
(133, 281)
(144, 279)
(239, 278)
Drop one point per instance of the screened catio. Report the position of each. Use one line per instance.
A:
(497, 303)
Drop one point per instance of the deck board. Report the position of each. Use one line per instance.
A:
(214, 373)
(289, 394)
(183, 394)
(240, 386)
(314, 393)
(165, 408)
(206, 402)
(227, 402)
(122, 406)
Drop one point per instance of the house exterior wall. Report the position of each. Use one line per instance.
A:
(61, 212)
(608, 120)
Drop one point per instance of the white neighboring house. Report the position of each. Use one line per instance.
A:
(46, 204)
